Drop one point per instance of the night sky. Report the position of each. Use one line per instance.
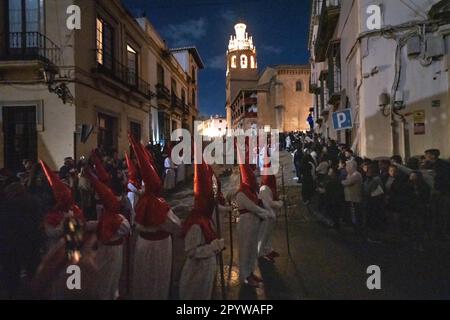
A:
(279, 29)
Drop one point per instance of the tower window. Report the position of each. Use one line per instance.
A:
(252, 62)
(299, 86)
(233, 62)
(244, 62)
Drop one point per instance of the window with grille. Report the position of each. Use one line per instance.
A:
(132, 64)
(25, 23)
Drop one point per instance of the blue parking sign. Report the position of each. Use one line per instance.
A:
(342, 120)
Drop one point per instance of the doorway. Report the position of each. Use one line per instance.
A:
(20, 136)
(108, 133)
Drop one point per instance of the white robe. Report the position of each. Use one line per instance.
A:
(181, 173)
(248, 231)
(200, 268)
(268, 225)
(109, 261)
(153, 262)
(169, 179)
(133, 196)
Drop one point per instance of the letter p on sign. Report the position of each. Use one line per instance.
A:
(342, 120)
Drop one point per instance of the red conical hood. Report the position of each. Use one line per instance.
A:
(150, 210)
(148, 155)
(203, 190)
(132, 172)
(203, 203)
(149, 175)
(100, 170)
(269, 179)
(61, 192)
(249, 186)
(64, 201)
(110, 219)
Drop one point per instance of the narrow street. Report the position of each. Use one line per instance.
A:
(327, 264)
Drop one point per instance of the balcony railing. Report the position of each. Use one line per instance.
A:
(176, 102)
(313, 85)
(125, 76)
(31, 46)
(186, 109)
(162, 92)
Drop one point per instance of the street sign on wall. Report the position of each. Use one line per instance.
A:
(419, 122)
(342, 120)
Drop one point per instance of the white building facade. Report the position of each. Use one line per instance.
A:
(387, 61)
(215, 126)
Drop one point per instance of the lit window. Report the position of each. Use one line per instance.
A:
(244, 62)
(104, 35)
(99, 41)
(132, 65)
(233, 62)
(252, 62)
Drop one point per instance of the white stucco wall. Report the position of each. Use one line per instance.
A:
(55, 137)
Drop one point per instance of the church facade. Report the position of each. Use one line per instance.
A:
(278, 97)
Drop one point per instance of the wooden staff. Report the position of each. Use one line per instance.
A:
(219, 235)
(285, 211)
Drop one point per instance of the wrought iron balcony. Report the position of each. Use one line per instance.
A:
(127, 77)
(162, 92)
(186, 108)
(314, 87)
(176, 102)
(31, 46)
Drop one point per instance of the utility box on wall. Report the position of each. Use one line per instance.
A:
(435, 46)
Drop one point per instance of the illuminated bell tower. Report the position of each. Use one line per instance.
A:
(242, 66)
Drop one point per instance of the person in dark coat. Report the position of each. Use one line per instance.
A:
(397, 199)
(21, 238)
(418, 206)
(441, 193)
(373, 197)
(334, 197)
(307, 169)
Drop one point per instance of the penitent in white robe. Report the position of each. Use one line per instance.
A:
(181, 173)
(248, 231)
(169, 179)
(109, 261)
(133, 196)
(268, 225)
(200, 267)
(153, 262)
